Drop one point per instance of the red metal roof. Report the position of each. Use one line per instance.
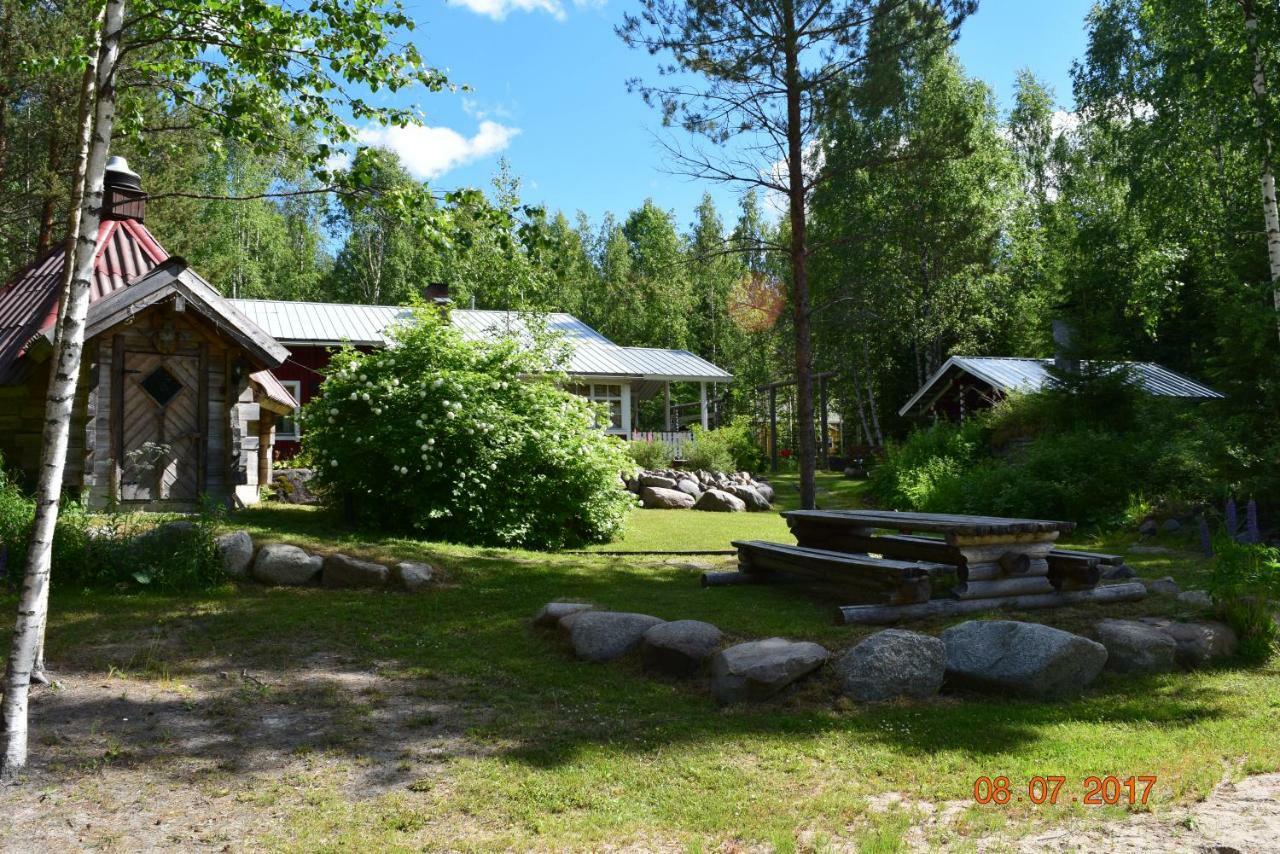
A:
(29, 305)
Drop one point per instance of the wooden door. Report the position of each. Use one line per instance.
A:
(161, 442)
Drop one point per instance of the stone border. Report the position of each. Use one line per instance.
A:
(286, 565)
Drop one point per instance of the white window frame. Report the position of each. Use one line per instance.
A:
(597, 391)
(295, 389)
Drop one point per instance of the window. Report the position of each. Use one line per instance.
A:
(607, 394)
(287, 425)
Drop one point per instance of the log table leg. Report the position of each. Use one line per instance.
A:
(1003, 564)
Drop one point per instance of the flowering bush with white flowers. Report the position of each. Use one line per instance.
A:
(464, 441)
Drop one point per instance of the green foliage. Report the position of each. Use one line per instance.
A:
(113, 552)
(465, 441)
(737, 440)
(651, 454)
(1246, 585)
(1029, 458)
(710, 450)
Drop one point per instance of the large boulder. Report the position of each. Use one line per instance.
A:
(719, 501)
(1198, 644)
(658, 498)
(689, 487)
(552, 612)
(658, 480)
(412, 577)
(749, 495)
(757, 670)
(1027, 659)
(235, 550)
(1136, 647)
(343, 571)
(292, 486)
(681, 647)
(1195, 599)
(606, 635)
(1165, 586)
(765, 490)
(893, 663)
(285, 564)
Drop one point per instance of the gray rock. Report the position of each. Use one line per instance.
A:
(1149, 528)
(658, 480)
(1136, 647)
(1198, 644)
(292, 486)
(689, 487)
(757, 670)
(565, 623)
(553, 612)
(1165, 586)
(750, 497)
(606, 635)
(412, 577)
(765, 490)
(1028, 659)
(719, 501)
(1171, 526)
(235, 550)
(1195, 599)
(285, 564)
(893, 663)
(343, 571)
(658, 498)
(1120, 570)
(681, 647)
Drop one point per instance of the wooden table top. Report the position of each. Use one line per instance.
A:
(944, 523)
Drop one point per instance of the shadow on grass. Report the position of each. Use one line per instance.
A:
(518, 687)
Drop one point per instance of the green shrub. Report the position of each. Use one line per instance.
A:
(1246, 585)
(709, 450)
(1023, 459)
(651, 455)
(473, 442)
(113, 552)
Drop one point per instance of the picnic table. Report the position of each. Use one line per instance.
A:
(994, 556)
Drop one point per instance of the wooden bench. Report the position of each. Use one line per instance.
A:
(865, 579)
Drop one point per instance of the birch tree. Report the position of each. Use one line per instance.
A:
(750, 77)
(1270, 214)
(247, 72)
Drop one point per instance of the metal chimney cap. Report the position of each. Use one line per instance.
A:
(118, 173)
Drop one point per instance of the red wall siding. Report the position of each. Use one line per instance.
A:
(304, 365)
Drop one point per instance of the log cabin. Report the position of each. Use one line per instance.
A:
(176, 400)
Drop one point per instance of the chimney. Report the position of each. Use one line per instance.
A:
(437, 293)
(122, 192)
(1064, 347)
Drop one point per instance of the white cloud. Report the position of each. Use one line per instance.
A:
(429, 152)
(499, 9)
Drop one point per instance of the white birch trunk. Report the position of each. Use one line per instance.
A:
(60, 401)
(85, 124)
(1270, 214)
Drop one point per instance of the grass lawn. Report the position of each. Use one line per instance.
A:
(444, 721)
(677, 530)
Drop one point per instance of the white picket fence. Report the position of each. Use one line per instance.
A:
(677, 439)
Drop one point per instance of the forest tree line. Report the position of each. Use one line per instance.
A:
(1138, 216)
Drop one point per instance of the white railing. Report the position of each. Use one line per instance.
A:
(677, 439)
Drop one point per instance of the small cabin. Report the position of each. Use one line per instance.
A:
(967, 384)
(176, 401)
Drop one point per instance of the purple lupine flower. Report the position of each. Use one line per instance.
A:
(1231, 521)
(1206, 541)
(1251, 532)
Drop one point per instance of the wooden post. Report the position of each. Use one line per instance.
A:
(666, 407)
(773, 428)
(702, 402)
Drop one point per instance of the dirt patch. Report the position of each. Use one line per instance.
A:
(1243, 816)
(216, 759)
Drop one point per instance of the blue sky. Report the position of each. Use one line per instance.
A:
(549, 94)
